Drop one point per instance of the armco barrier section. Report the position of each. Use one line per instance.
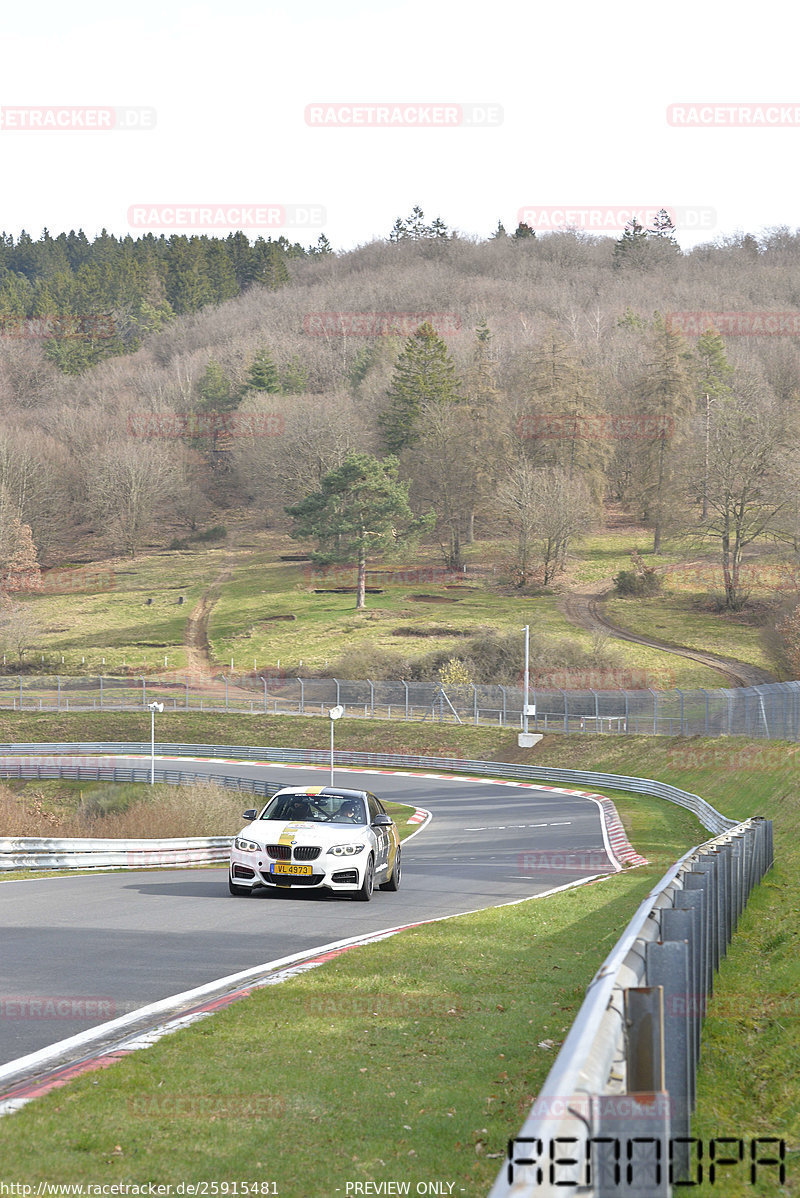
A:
(707, 815)
(32, 852)
(614, 1115)
(590, 701)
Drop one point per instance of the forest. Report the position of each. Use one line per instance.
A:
(518, 382)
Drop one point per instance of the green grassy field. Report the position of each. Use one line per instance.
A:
(267, 614)
(416, 1058)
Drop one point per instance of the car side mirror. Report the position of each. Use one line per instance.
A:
(382, 820)
(251, 814)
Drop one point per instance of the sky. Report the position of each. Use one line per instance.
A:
(257, 115)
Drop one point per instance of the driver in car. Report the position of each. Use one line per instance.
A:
(350, 813)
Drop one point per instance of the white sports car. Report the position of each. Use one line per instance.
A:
(317, 836)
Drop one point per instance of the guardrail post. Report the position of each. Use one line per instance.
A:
(667, 966)
(707, 870)
(679, 926)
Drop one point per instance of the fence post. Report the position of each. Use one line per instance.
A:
(101, 692)
(58, 700)
(503, 689)
(20, 692)
(263, 679)
(475, 701)
(405, 684)
(302, 696)
(226, 692)
(144, 692)
(371, 698)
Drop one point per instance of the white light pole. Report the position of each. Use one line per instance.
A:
(527, 677)
(335, 713)
(526, 740)
(154, 707)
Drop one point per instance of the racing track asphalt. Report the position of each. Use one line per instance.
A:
(126, 939)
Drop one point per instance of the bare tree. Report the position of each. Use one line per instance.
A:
(127, 487)
(548, 509)
(746, 492)
(19, 627)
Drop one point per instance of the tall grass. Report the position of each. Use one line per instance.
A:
(199, 809)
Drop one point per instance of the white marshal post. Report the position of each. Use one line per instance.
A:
(154, 707)
(526, 739)
(335, 713)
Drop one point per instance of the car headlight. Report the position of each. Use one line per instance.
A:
(346, 850)
(247, 846)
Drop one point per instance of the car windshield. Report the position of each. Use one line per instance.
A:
(336, 809)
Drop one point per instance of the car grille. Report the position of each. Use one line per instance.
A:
(302, 852)
(289, 880)
(280, 852)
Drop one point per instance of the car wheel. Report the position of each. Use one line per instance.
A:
(238, 891)
(367, 886)
(393, 883)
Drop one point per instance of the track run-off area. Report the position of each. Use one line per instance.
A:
(78, 951)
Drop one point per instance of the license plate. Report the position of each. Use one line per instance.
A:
(288, 867)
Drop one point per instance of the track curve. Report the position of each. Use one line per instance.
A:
(110, 943)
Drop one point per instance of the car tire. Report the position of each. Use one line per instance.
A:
(364, 894)
(393, 882)
(239, 891)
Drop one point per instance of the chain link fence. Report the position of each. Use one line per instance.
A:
(770, 711)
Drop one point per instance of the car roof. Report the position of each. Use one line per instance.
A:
(337, 792)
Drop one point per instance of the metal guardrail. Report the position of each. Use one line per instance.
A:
(593, 703)
(36, 852)
(709, 817)
(618, 1100)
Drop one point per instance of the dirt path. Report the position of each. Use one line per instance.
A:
(195, 637)
(583, 607)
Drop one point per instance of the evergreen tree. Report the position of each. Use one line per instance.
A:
(632, 246)
(360, 511)
(500, 232)
(713, 370)
(522, 231)
(425, 374)
(263, 374)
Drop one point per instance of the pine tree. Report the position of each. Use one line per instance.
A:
(522, 231)
(713, 369)
(263, 374)
(632, 246)
(499, 233)
(425, 374)
(360, 510)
